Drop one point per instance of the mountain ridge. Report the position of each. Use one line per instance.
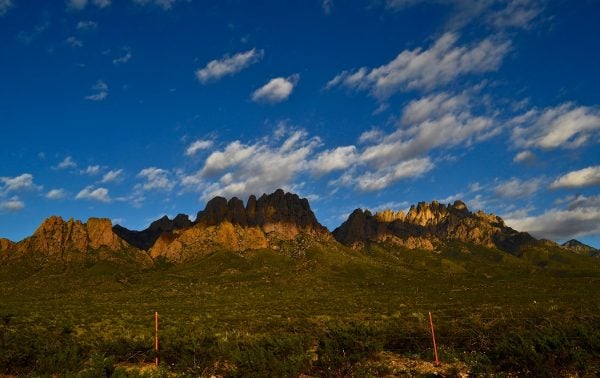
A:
(271, 221)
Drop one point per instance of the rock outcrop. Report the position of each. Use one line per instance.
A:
(146, 238)
(428, 224)
(68, 240)
(579, 247)
(229, 225)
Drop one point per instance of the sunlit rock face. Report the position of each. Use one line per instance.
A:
(229, 225)
(426, 225)
(57, 239)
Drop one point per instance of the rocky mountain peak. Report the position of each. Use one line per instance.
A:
(55, 237)
(427, 224)
(578, 247)
(275, 208)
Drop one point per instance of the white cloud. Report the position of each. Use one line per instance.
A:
(155, 179)
(66, 163)
(77, 4)
(164, 4)
(373, 135)
(28, 37)
(19, 183)
(228, 65)
(12, 205)
(276, 90)
(381, 178)
(81, 4)
(97, 194)
(524, 157)
(499, 14)
(74, 42)
(327, 6)
(576, 179)
(516, 14)
(515, 187)
(91, 170)
(198, 146)
(102, 3)
(112, 176)
(101, 91)
(438, 120)
(334, 159)
(563, 126)
(560, 223)
(242, 169)
(425, 69)
(87, 25)
(5, 6)
(56, 194)
(123, 58)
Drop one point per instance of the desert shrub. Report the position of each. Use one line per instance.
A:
(273, 356)
(343, 346)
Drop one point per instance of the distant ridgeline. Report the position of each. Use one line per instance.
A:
(272, 221)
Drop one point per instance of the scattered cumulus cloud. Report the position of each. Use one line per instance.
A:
(5, 6)
(198, 145)
(276, 90)
(515, 187)
(17, 184)
(164, 4)
(563, 126)
(82, 4)
(524, 157)
(87, 25)
(516, 14)
(155, 179)
(439, 120)
(74, 42)
(242, 169)
(66, 163)
(112, 176)
(497, 14)
(124, 58)
(327, 6)
(91, 170)
(100, 91)
(56, 194)
(335, 159)
(28, 37)
(560, 223)
(228, 65)
(421, 69)
(94, 194)
(373, 180)
(577, 179)
(12, 205)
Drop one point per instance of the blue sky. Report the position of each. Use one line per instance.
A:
(134, 109)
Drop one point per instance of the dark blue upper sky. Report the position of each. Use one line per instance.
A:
(134, 109)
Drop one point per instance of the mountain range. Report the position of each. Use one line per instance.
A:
(273, 221)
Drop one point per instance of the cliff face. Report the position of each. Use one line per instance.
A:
(56, 238)
(428, 224)
(229, 225)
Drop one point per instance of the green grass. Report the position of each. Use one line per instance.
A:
(328, 313)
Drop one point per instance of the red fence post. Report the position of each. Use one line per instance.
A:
(437, 361)
(156, 337)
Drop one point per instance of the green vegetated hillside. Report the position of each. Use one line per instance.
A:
(332, 311)
(264, 290)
